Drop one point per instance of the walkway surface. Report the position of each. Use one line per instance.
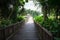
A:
(27, 32)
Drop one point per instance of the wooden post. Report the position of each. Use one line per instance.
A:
(4, 37)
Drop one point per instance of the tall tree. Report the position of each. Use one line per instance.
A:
(9, 8)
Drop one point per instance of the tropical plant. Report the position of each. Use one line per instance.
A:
(49, 24)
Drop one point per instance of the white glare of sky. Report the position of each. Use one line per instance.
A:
(31, 5)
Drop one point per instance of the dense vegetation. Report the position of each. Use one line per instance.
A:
(51, 16)
(48, 6)
(11, 11)
(32, 13)
(50, 24)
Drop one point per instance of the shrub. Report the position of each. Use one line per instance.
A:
(50, 24)
(5, 22)
(19, 18)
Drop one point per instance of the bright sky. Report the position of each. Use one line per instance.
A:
(30, 5)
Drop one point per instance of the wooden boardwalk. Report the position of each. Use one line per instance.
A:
(27, 32)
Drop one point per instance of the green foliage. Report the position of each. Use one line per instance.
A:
(8, 12)
(22, 2)
(9, 15)
(33, 13)
(26, 0)
(5, 22)
(19, 18)
(39, 19)
(49, 24)
(48, 6)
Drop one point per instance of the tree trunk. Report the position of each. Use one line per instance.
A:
(56, 13)
(14, 15)
(44, 13)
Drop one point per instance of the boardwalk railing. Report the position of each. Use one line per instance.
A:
(6, 33)
(44, 34)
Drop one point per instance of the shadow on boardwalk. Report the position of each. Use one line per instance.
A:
(27, 32)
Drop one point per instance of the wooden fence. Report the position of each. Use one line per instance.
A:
(43, 33)
(6, 33)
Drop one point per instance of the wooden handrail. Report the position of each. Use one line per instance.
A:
(44, 34)
(10, 30)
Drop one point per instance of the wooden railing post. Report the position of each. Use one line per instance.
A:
(4, 36)
(44, 34)
(9, 31)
